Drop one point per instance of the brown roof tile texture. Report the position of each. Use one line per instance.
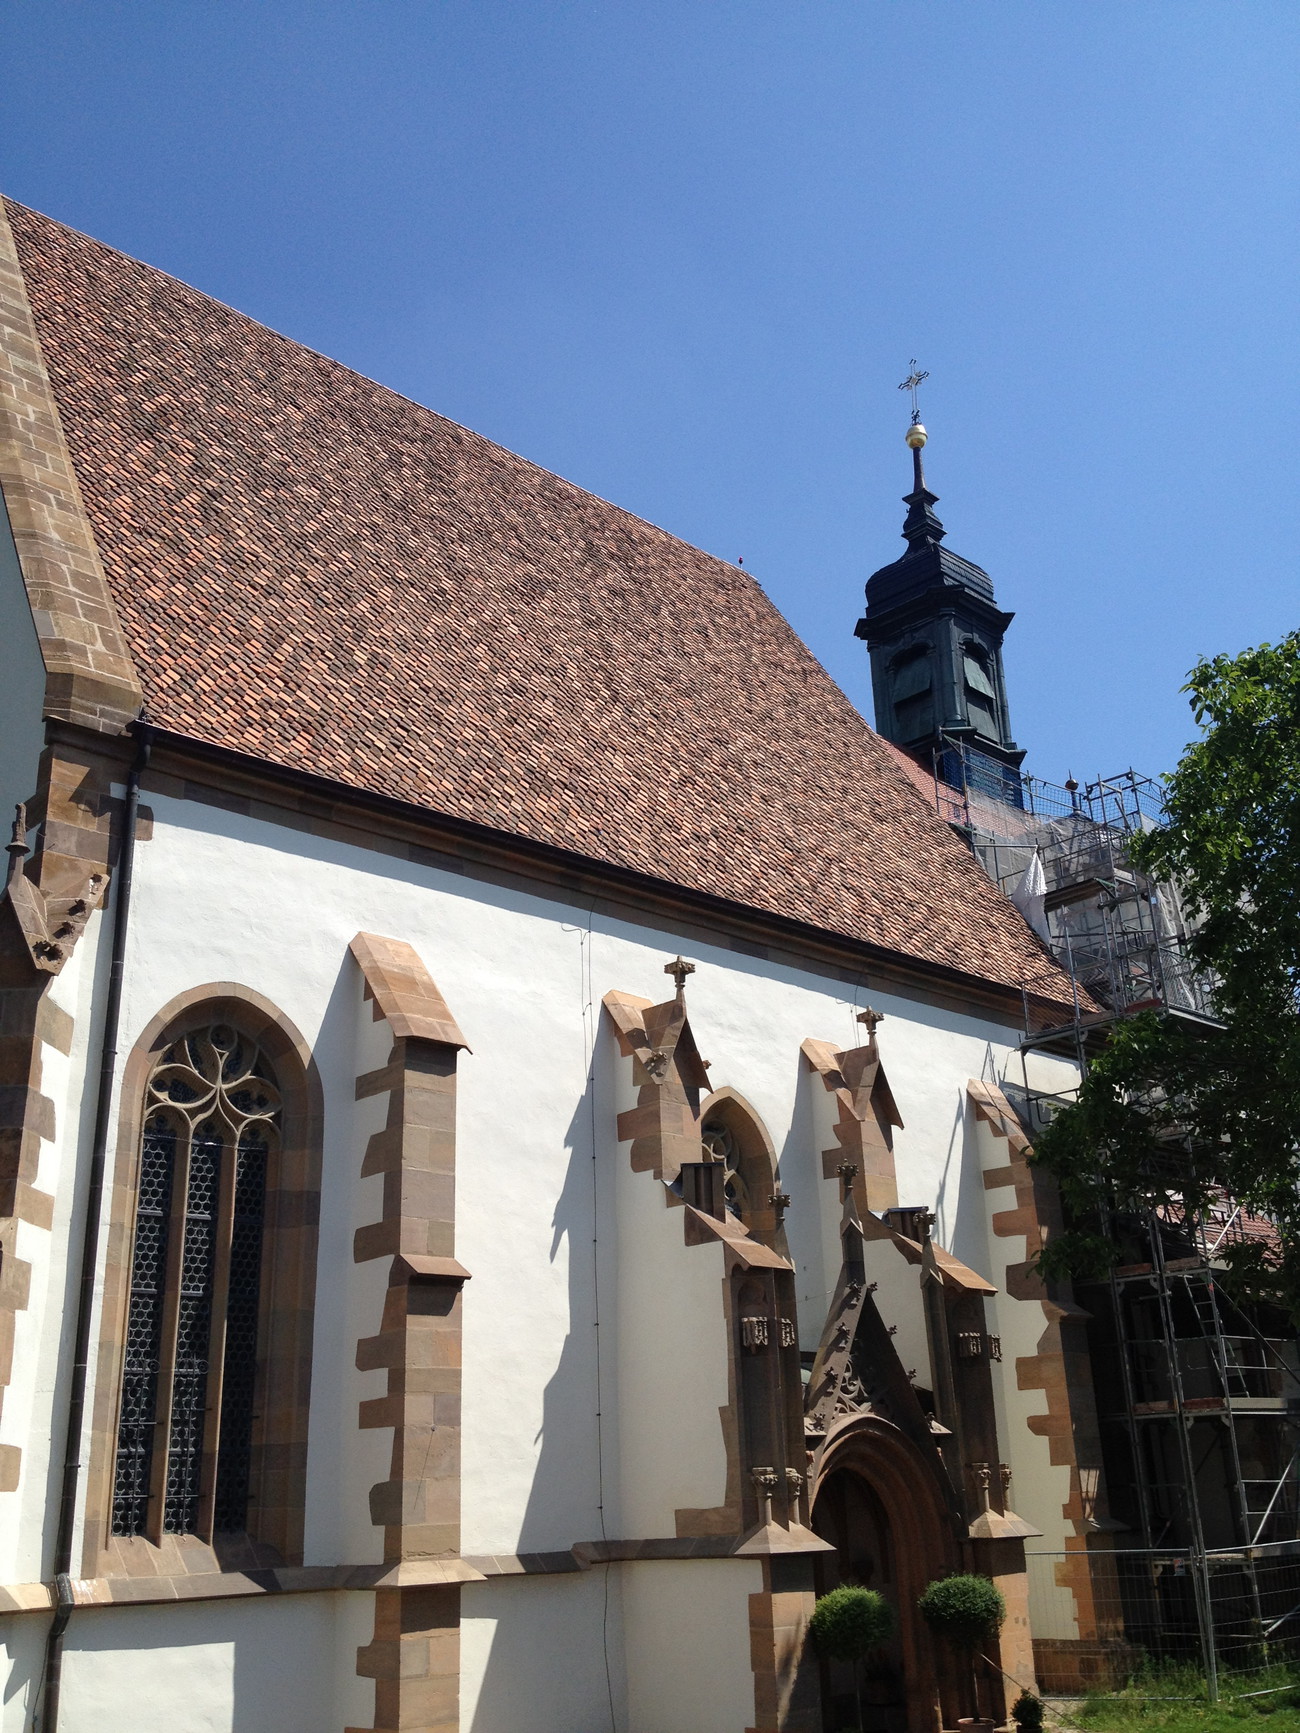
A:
(317, 571)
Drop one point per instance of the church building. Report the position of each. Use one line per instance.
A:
(510, 1188)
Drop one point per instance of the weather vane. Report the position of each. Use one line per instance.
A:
(914, 379)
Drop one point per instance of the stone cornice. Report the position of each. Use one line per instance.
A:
(236, 1584)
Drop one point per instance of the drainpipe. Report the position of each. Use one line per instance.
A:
(48, 1713)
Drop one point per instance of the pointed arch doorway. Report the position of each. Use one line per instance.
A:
(882, 1506)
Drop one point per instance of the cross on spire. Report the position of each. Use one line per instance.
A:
(914, 379)
(869, 1019)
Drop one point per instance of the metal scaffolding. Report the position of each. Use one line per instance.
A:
(1198, 1396)
(1121, 935)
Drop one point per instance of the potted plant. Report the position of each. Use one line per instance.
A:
(1027, 1712)
(847, 1624)
(965, 1611)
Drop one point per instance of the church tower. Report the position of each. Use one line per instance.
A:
(935, 635)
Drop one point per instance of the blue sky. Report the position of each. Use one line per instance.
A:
(682, 252)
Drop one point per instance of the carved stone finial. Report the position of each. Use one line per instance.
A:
(1005, 1472)
(848, 1172)
(984, 1476)
(765, 1484)
(17, 844)
(793, 1490)
(869, 1019)
(679, 969)
(780, 1202)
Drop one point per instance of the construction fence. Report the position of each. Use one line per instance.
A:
(1140, 1618)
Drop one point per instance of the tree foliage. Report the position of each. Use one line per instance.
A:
(849, 1622)
(964, 1609)
(1173, 1113)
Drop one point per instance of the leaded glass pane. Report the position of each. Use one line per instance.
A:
(138, 1417)
(240, 1366)
(193, 1332)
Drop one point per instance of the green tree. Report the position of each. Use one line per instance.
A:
(1170, 1111)
(847, 1624)
(965, 1609)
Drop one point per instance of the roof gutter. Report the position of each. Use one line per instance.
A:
(47, 1718)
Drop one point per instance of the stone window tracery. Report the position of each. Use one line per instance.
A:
(721, 1144)
(188, 1391)
(733, 1136)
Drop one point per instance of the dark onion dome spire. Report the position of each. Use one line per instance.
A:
(935, 635)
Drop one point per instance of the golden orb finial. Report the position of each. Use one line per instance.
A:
(916, 436)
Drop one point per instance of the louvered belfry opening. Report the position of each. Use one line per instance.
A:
(189, 1379)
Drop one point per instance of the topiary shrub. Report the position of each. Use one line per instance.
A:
(964, 1609)
(1027, 1712)
(849, 1622)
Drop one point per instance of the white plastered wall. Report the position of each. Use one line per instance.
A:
(220, 896)
(350, 1457)
(814, 1243)
(671, 1370)
(251, 1666)
(226, 897)
(899, 1302)
(928, 1055)
(37, 1389)
(1039, 1488)
(544, 1654)
(22, 1657)
(279, 1665)
(24, 1422)
(687, 1638)
(22, 689)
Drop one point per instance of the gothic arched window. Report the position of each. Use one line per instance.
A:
(733, 1135)
(722, 1144)
(190, 1371)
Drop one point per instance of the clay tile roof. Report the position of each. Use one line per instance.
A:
(314, 570)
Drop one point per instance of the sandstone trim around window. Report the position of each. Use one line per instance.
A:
(200, 1428)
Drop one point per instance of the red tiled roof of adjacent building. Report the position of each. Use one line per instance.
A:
(312, 569)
